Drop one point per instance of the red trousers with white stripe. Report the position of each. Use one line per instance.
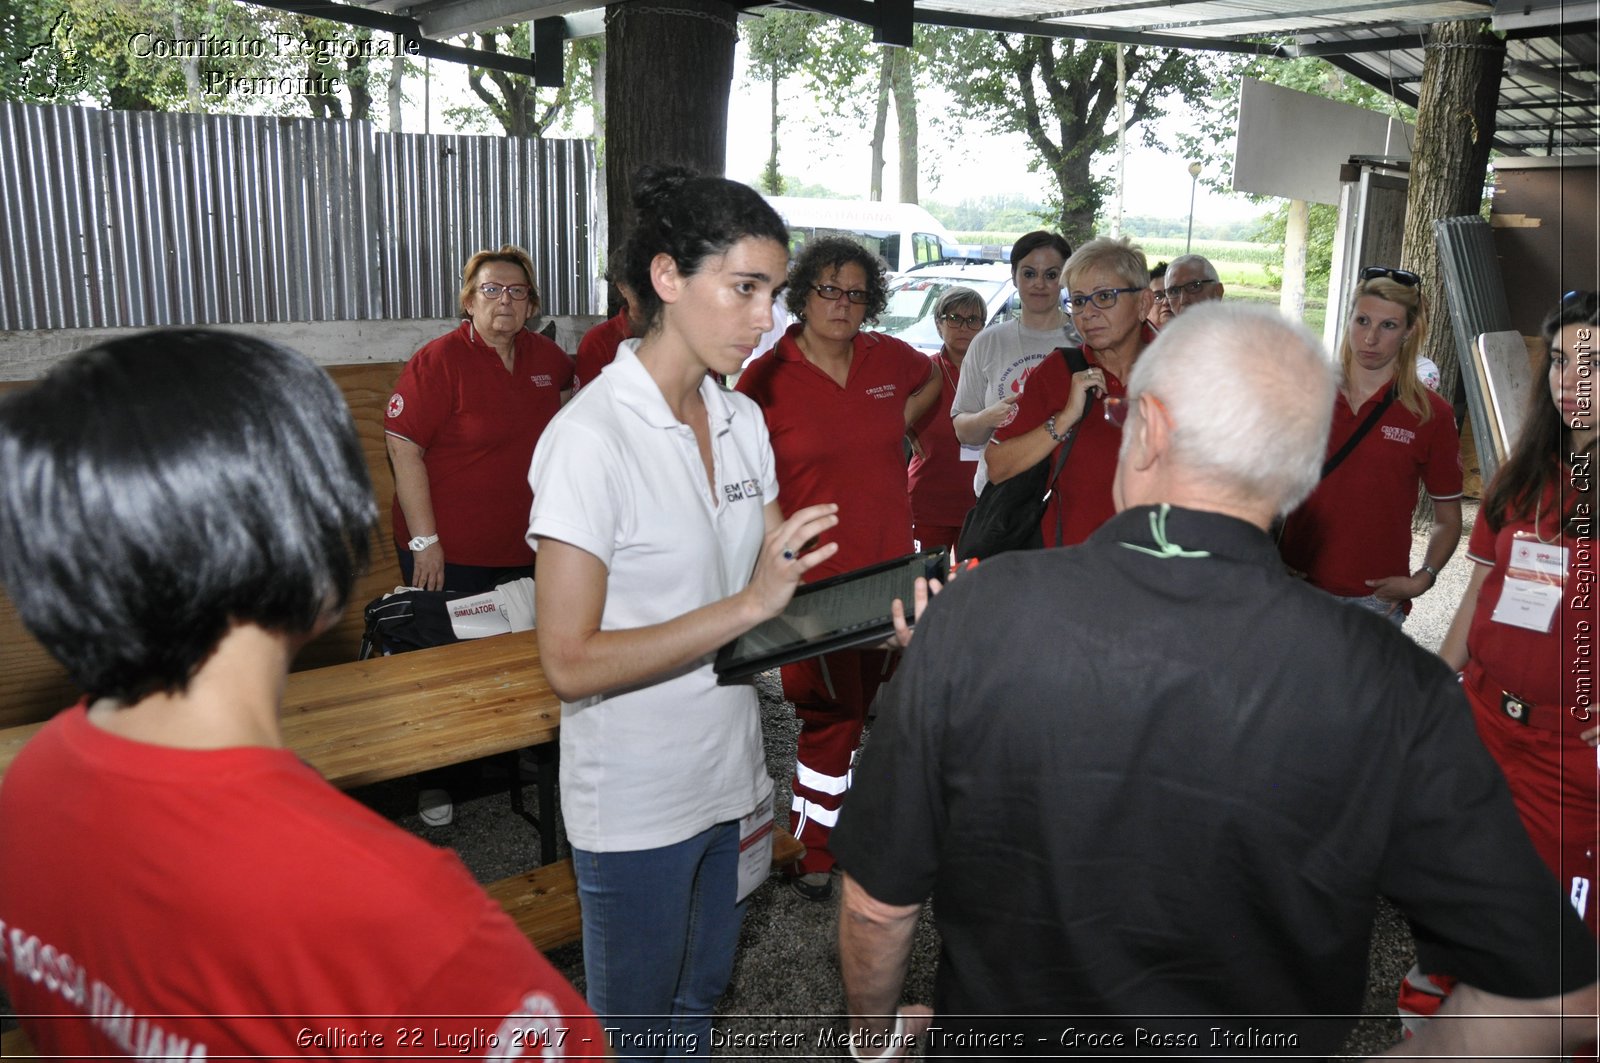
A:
(831, 695)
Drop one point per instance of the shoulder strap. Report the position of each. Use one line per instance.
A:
(1356, 436)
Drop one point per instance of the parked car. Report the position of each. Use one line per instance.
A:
(912, 296)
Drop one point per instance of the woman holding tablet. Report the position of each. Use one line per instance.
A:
(659, 536)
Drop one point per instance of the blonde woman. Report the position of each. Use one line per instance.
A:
(1352, 537)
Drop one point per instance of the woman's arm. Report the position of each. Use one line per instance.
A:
(920, 401)
(580, 660)
(975, 429)
(1454, 647)
(411, 489)
(1442, 541)
(1008, 457)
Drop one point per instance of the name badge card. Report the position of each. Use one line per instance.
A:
(1534, 584)
(755, 845)
(970, 452)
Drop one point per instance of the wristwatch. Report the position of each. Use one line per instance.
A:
(422, 542)
(1430, 570)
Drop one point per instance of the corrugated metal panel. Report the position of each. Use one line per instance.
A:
(1476, 298)
(116, 218)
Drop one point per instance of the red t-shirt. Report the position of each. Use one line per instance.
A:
(1541, 667)
(182, 903)
(939, 481)
(598, 348)
(477, 425)
(1083, 491)
(1356, 525)
(843, 444)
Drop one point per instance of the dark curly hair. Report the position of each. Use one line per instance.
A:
(691, 218)
(835, 252)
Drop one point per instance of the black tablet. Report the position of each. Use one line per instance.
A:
(838, 613)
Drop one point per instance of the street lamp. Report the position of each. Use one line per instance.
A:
(1194, 183)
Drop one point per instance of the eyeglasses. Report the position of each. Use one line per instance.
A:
(1402, 276)
(1104, 298)
(832, 294)
(1116, 410)
(962, 320)
(1160, 296)
(518, 292)
(1189, 290)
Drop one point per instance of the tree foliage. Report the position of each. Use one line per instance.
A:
(1061, 94)
(512, 100)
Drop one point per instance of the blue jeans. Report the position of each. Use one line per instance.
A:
(1373, 604)
(660, 927)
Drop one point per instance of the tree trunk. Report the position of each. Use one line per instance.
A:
(1455, 125)
(879, 125)
(1077, 210)
(669, 70)
(905, 112)
(773, 178)
(397, 69)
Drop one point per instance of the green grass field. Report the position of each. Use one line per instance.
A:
(1241, 266)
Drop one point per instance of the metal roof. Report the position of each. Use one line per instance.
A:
(1549, 93)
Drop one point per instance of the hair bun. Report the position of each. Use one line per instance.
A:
(654, 187)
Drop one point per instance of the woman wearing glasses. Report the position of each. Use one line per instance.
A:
(1110, 300)
(940, 475)
(838, 402)
(1002, 355)
(461, 426)
(1352, 537)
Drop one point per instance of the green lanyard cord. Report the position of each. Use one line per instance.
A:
(1158, 532)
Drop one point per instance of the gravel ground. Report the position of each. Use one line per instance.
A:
(786, 979)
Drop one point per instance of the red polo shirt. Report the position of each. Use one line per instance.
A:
(939, 481)
(598, 348)
(1083, 491)
(842, 444)
(1356, 525)
(477, 425)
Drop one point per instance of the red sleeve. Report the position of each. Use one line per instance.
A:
(423, 397)
(917, 367)
(1039, 399)
(1442, 474)
(1481, 546)
(596, 350)
(499, 996)
(756, 380)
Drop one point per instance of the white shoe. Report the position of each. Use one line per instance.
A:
(435, 808)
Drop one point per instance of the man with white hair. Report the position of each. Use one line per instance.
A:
(1191, 280)
(1155, 794)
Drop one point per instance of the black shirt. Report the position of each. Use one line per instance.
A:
(1156, 775)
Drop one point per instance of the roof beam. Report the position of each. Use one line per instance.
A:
(862, 11)
(415, 41)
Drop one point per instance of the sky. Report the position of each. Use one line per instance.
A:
(957, 161)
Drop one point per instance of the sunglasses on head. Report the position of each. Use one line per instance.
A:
(1402, 276)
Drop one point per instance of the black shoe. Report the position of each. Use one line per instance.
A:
(817, 886)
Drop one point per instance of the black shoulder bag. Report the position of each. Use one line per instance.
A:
(1007, 514)
(1361, 430)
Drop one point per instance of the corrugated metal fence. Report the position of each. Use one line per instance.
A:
(117, 218)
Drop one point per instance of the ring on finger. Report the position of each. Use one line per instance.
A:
(788, 554)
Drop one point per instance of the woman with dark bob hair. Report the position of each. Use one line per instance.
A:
(838, 402)
(181, 512)
(656, 519)
(1524, 635)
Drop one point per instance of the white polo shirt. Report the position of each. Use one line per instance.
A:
(617, 475)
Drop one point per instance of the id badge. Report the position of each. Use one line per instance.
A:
(755, 844)
(970, 452)
(1535, 582)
